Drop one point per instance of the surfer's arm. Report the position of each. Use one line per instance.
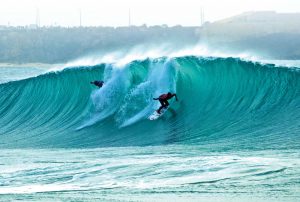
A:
(175, 96)
(155, 98)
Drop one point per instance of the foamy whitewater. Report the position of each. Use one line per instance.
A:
(234, 134)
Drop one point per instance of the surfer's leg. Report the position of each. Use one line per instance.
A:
(162, 105)
(161, 102)
(160, 108)
(166, 104)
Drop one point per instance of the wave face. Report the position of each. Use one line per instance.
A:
(223, 103)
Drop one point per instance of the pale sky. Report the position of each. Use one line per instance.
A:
(115, 12)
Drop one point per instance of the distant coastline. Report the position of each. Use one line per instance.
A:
(60, 44)
(269, 34)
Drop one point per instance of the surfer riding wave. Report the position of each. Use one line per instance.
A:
(163, 99)
(99, 84)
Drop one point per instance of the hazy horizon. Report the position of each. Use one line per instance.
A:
(116, 12)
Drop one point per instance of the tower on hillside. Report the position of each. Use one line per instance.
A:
(202, 18)
(80, 18)
(129, 18)
(37, 18)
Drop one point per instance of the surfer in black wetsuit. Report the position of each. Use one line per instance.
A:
(163, 99)
(97, 83)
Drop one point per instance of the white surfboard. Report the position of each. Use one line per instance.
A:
(156, 115)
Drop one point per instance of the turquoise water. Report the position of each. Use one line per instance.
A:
(149, 173)
(234, 134)
(12, 72)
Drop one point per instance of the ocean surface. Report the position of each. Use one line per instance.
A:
(234, 134)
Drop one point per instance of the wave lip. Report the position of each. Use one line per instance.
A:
(223, 101)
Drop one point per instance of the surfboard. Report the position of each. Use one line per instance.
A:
(156, 115)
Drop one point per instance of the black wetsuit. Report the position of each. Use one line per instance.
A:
(98, 83)
(163, 99)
